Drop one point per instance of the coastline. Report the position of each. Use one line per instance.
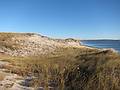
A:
(98, 44)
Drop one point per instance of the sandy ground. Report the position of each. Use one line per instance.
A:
(10, 81)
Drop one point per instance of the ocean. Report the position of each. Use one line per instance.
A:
(115, 44)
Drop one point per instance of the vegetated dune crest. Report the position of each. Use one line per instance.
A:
(28, 44)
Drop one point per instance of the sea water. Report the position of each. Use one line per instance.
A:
(115, 44)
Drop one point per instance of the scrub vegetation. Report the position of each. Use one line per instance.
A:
(70, 69)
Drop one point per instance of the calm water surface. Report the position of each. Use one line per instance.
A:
(115, 44)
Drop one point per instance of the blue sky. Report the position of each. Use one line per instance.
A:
(84, 19)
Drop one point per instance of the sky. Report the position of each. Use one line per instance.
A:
(83, 19)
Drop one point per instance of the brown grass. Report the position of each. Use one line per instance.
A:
(71, 69)
(2, 76)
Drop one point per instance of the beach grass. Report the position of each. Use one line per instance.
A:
(70, 69)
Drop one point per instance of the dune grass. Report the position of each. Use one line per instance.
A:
(71, 69)
(2, 76)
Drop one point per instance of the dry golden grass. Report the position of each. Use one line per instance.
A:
(2, 76)
(71, 69)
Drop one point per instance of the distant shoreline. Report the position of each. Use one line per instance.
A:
(102, 44)
(100, 39)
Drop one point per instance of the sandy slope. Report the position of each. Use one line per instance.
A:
(27, 44)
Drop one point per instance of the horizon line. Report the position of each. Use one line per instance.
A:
(54, 37)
